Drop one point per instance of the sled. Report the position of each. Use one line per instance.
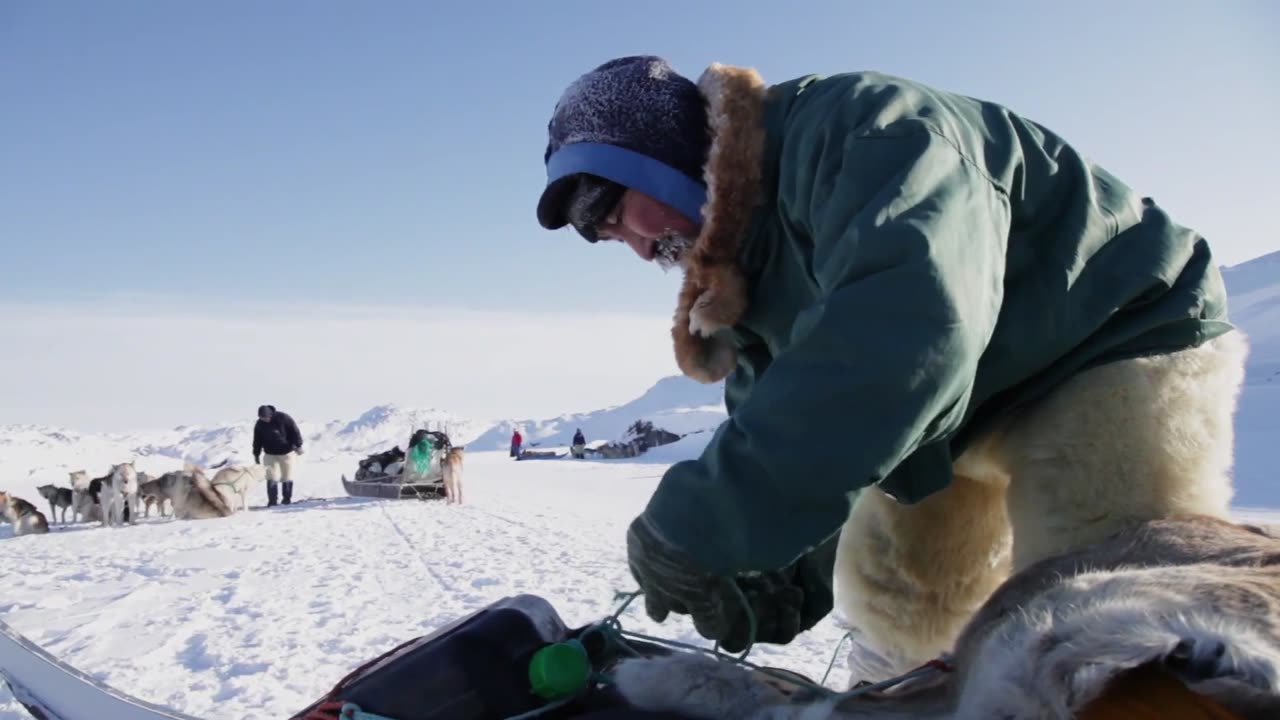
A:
(541, 455)
(389, 487)
(52, 690)
(413, 482)
(507, 659)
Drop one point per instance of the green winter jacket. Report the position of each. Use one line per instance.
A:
(919, 264)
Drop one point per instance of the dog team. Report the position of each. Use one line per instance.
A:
(123, 493)
(117, 497)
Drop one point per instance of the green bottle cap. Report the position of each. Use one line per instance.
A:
(559, 670)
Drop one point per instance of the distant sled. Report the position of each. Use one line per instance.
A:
(396, 475)
(541, 455)
(52, 690)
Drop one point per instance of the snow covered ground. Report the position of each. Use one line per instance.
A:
(256, 615)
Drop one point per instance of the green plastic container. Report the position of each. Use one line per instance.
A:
(560, 670)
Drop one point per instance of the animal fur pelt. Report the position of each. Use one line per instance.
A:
(1195, 597)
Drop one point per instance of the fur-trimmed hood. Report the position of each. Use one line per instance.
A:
(714, 293)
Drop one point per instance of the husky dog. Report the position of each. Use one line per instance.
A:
(58, 497)
(233, 483)
(452, 468)
(1195, 597)
(155, 491)
(84, 500)
(195, 498)
(118, 492)
(24, 516)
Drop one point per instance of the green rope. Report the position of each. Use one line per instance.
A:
(831, 665)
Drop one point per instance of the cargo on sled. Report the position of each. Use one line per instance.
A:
(399, 474)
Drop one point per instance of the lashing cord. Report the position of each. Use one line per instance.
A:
(616, 637)
(613, 632)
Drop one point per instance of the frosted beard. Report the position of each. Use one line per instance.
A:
(669, 250)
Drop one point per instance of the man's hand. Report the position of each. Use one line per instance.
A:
(298, 450)
(257, 460)
(672, 582)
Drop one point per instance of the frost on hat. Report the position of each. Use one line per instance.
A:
(634, 121)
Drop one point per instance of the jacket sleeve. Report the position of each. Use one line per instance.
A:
(908, 241)
(257, 439)
(295, 435)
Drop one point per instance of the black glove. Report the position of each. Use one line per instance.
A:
(784, 602)
(257, 460)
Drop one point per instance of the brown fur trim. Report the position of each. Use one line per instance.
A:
(714, 294)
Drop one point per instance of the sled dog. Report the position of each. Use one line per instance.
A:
(1195, 597)
(195, 497)
(452, 469)
(24, 516)
(234, 482)
(118, 492)
(155, 491)
(84, 497)
(59, 498)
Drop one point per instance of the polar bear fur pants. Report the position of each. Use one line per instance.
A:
(1128, 441)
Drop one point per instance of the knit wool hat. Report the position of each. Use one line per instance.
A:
(633, 122)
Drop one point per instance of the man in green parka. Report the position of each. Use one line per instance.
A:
(952, 345)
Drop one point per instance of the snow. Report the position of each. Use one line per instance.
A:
(1254, 305)
(673, 402)
(256, 615)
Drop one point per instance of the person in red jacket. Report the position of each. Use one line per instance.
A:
(516, 441)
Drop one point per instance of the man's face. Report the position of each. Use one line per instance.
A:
(654, 230)
(265, 416)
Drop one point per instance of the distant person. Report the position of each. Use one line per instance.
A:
(516, 441)
(943, 331)
(579, 447)
(277, 435)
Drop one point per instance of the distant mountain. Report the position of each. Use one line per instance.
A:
(1254, 303)
(379, 428)
(674, 403)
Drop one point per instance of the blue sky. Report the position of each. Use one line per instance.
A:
(309, 154)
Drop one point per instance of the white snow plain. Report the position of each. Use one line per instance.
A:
(258, 614)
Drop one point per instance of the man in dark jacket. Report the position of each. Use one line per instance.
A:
(951, 344)
(277, 435)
